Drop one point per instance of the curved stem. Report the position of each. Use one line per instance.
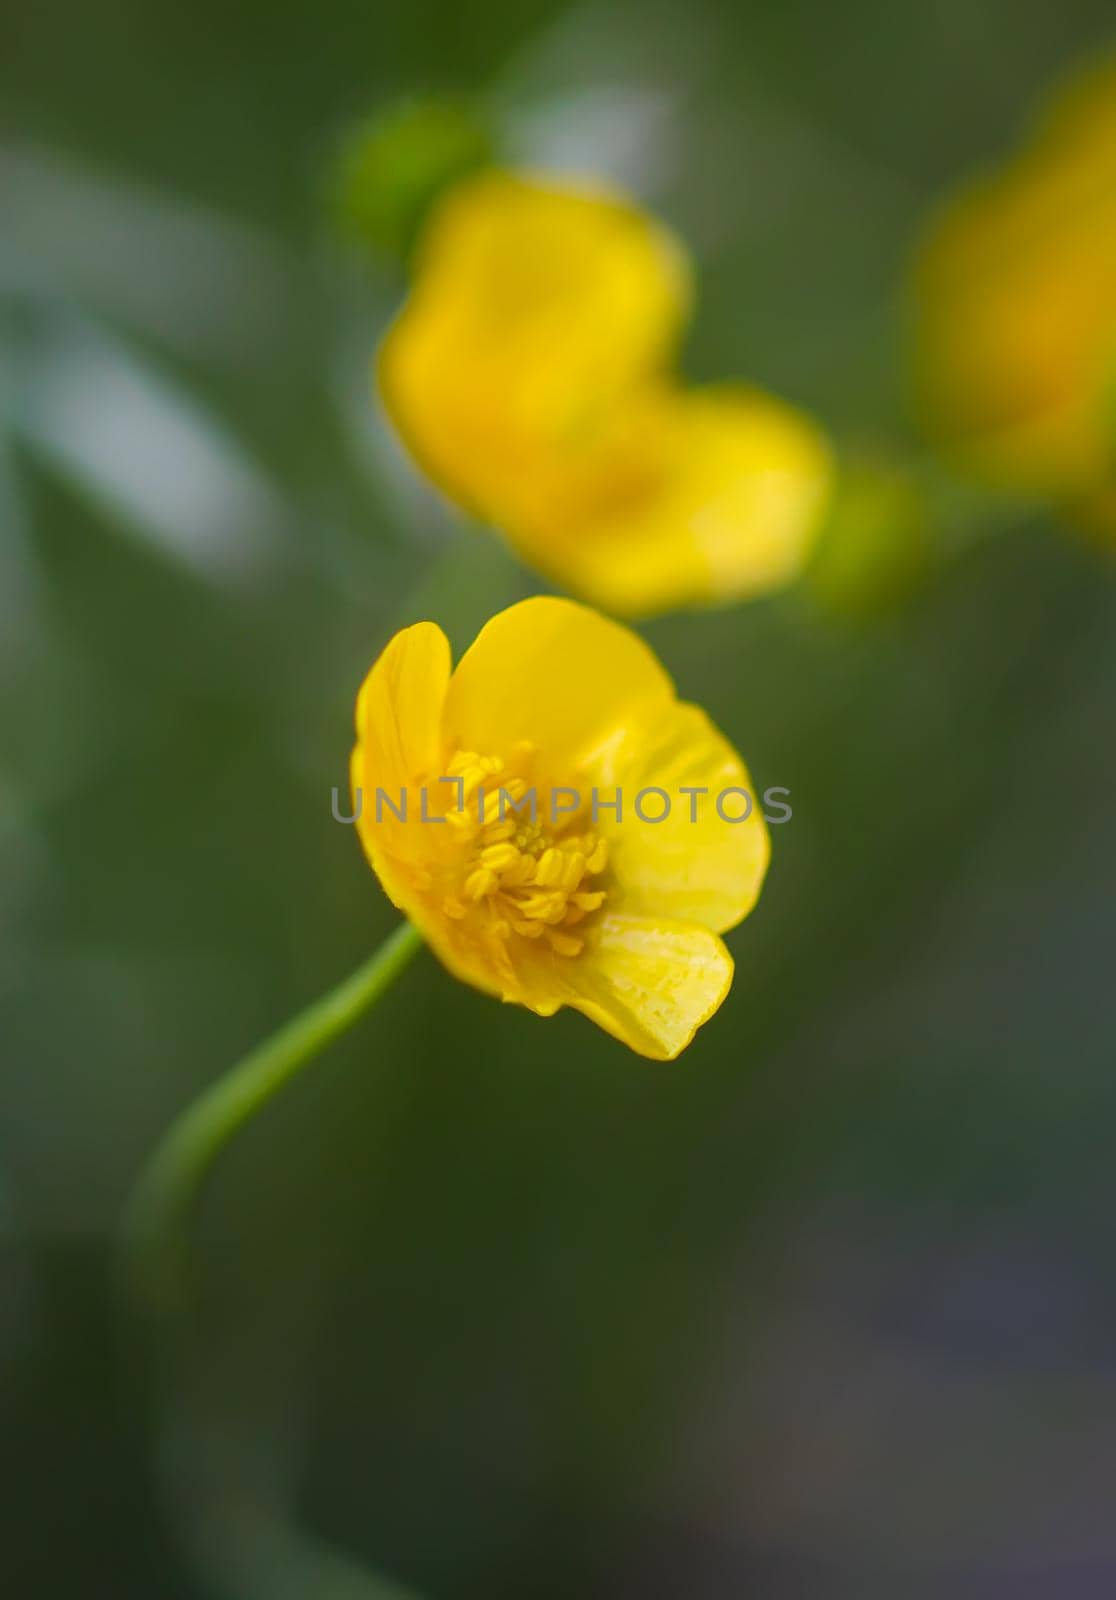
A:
(156, 1218)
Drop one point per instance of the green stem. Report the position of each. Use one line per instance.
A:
(156, 1220)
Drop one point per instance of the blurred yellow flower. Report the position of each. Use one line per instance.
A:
(1016, 308)
(562, 830)
(530, 375)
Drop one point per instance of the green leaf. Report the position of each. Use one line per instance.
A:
(393, 165)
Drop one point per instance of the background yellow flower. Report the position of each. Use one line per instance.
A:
(1016, 306)
(530, 373)
(559, 902)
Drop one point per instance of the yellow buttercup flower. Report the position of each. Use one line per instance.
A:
(511, 808)
(1016, 303)
(530, 373)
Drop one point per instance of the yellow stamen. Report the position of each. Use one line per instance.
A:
(599, 858)
(549, 869)
(480, 883)
(588, 900)
(573, 865)
(499, 857)
(528, 879)
(545, 907)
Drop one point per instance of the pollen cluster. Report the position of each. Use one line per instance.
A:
(524, 871)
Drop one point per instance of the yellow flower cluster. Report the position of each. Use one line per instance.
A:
(1016, 308)
(531, 374)
(490, 831)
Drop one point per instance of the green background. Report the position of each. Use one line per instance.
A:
(826, 1308)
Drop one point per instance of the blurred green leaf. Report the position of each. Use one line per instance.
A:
(395, 163)
(875, 547)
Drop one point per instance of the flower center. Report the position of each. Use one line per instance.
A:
(525, 870)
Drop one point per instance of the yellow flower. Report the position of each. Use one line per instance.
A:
(508, 808)
(530, 373)
(1016, 303)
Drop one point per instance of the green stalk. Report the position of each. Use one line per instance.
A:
(156, 1220)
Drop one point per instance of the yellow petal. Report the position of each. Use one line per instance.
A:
(536, 308)
(1016, 304)
(688, 497)
(399, 708)
(648, 981)
(1013, 364)
(556, 673)
(399, 722)
(699, 864)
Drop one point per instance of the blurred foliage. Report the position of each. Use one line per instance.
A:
(877, 546)
(826, 1308)
(393, 166)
